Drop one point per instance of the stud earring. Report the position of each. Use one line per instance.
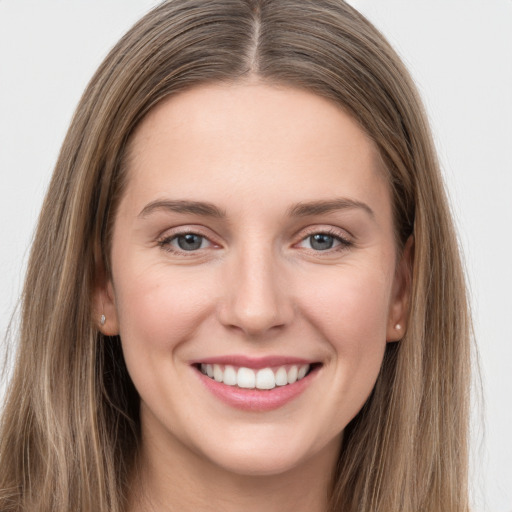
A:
(103, 320)
(398, 327)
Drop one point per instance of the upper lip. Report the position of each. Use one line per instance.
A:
(253, 362)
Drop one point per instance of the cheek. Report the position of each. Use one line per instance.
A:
(352, 308)
(159, 309)
(351, 314)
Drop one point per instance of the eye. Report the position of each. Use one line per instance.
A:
(324, 242)
(190, 241)
(187, 242)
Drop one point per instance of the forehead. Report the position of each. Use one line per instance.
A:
(215, 138)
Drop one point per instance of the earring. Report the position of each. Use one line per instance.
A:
(102, 320)
(398, 327)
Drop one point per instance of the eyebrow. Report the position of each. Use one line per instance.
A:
(332, 205)
(183, 206)
(210, 210)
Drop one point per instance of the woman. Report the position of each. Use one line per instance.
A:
(245, 288)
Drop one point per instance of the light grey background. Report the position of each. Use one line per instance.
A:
(459, 52)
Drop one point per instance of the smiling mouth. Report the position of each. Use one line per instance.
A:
(262, 379)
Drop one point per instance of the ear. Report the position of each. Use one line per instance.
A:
(104, 304)
(402, 286)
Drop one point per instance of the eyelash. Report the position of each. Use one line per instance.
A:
(344, 243)
(165, 243)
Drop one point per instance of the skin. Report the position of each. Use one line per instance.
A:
(256, 287)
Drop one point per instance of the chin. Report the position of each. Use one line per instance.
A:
(266, 455)
(250, 463)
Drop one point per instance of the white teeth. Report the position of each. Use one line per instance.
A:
(246, 378)
(230, 376)
(281, 377)
(265, 378)
(217, 373)
(292, 374)
(302, 371)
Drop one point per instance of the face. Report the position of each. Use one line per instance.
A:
(255, 279)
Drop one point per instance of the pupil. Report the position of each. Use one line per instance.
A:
(190, 242)
(321, 242)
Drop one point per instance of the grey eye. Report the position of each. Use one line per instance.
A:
(189, 242)
(321, 242)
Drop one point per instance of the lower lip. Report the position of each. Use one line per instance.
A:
(255, 399)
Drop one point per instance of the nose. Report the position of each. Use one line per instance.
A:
(256, 297)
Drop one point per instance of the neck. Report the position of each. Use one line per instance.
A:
(184, 481)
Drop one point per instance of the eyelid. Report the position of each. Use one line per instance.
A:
(164, 239)
(342, 236)
(326, 230)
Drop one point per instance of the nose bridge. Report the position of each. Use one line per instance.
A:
(255, 298)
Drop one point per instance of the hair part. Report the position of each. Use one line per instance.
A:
(70, 428)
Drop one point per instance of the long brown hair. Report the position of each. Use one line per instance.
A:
(70, 427)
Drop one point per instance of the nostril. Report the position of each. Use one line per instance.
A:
(254, 323)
